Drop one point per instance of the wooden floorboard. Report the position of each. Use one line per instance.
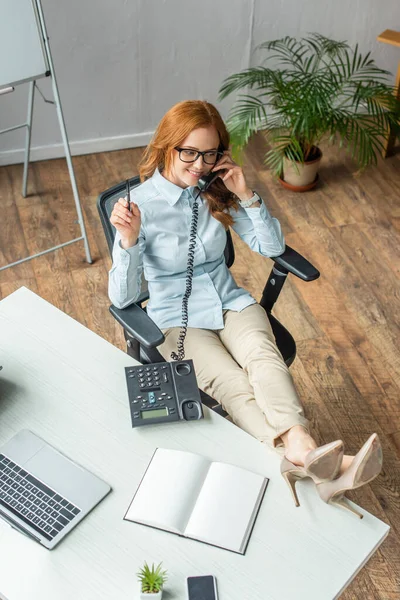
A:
(346, 324)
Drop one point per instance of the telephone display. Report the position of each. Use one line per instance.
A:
(154, 413)
(163, 392)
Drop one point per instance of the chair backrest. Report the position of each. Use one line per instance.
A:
(105, 205)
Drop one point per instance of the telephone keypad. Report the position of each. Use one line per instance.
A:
(149, 382)
(149, 377)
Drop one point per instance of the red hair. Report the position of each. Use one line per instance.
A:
(173, 128)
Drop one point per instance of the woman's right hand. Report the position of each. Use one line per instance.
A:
(126, 222)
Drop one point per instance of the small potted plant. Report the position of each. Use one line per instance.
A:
(151, 581)
(317, 89)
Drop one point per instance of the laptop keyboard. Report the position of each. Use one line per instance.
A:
(32, 501)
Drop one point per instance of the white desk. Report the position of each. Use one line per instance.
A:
(68, 385)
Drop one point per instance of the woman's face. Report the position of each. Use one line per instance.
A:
(186, 174)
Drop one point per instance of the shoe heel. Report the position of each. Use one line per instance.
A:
(371, 464)
(366, 465)
(291, 481)
(341, 502)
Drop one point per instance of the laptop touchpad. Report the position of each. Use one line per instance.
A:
(67, 478)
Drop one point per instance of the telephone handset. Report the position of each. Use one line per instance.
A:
(205, 181)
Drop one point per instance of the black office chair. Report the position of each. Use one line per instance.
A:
(142, 334)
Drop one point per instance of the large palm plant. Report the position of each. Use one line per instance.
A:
(320, 89)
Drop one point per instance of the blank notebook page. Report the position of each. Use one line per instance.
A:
(226, 506)
(169, 489)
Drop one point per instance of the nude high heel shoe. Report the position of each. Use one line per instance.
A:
(366, 465)
(321, 464)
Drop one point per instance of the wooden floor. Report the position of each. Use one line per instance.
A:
(346, 324)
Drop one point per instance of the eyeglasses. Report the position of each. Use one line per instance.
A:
(189, 156)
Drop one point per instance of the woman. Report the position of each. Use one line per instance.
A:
(228, 336)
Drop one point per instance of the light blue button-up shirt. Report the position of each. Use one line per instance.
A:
(162, 249)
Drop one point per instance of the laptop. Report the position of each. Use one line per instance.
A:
(43, 493)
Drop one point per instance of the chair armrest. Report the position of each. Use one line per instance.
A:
(137, 322)
(296, 264)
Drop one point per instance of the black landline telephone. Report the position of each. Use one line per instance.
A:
(167, 391)
(163, 392)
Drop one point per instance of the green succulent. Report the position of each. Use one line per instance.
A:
(319, 88)
(152, 579)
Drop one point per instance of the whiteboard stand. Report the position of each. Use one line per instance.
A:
(50, 71)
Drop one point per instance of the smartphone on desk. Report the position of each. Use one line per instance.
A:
(203, 587)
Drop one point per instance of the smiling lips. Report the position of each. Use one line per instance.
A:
(194, 173)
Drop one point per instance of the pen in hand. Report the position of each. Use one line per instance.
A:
(128, 193)
(126, 218)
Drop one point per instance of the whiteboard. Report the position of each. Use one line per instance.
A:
(22, 51)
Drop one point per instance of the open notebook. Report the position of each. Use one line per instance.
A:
(186, 494)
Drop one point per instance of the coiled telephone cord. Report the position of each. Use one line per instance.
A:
(189, 279)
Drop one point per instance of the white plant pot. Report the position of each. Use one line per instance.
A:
(144, 596)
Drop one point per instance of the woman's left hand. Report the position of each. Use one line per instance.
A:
(233, 177)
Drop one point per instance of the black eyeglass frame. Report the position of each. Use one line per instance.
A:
(202, 154)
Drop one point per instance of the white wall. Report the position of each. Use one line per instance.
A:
(121, 64)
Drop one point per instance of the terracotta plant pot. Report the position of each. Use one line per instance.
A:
(297, 188)
(301, 177)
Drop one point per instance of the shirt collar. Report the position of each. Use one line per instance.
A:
(169, 190)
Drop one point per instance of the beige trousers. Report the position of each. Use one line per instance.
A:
(241, 367)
